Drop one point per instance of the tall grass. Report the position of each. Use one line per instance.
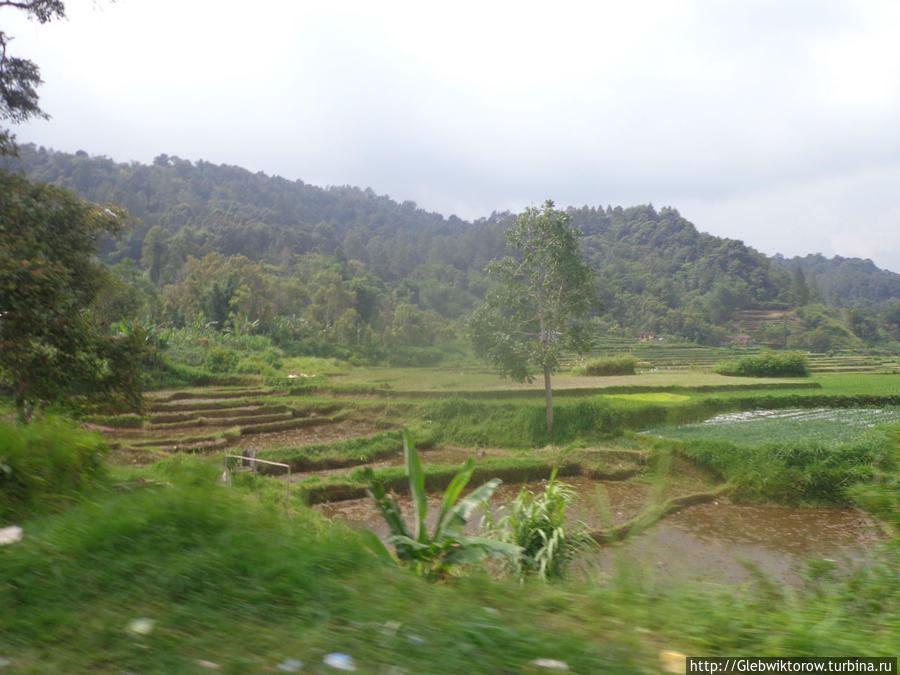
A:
(624, 364)
(46, 465)
(789, 473)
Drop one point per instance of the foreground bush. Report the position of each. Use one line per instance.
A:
(616, 365)
(46, 464)
(766, 364)
(536, 524)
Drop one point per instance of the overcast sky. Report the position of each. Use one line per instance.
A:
(774, 122)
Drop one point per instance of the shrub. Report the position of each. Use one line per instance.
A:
(536, 524)
(46, 464)
(254, 366)
(221, 360)
(624, 364)
(766, 364)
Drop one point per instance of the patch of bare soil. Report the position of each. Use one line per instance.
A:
(292, 438)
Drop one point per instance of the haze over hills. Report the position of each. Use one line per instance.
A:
(657, 273)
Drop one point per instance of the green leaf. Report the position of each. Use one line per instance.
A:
(389, 509)
(474, 549)
(376, 546)
(451, 494)
(416, 476)
(463, 511)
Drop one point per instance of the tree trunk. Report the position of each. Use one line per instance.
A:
(549, 395)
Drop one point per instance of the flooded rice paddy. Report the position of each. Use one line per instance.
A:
(716, 542)
(725, 543)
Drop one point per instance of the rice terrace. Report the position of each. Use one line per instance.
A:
(708, 534)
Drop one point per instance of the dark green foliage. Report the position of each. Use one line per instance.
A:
(844, 281)
(51, 347)
(823, 329)
(221, 360)
(658, 275)
(767, 364)
(343, 272)
(46, 465)
(19, 78)
(616, 365)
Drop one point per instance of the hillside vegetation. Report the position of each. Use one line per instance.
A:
(344, 272)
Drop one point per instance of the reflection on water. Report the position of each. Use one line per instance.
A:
(708, 542)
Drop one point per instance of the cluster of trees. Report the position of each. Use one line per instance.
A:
(839, 281)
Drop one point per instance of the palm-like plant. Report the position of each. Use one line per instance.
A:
(435, 555)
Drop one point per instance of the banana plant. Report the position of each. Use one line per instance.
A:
(435, 555)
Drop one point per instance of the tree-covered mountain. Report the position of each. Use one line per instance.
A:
(844, 281)
(342, 268)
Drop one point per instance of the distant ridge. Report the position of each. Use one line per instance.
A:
(845, 281)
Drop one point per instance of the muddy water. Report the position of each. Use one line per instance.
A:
(716, 542)
(449, 455)
(623, 502)
(724, 542)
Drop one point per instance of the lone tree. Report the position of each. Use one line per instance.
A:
(541, 305)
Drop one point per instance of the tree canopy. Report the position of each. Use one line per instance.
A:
(541, 305)
(19, 78)
(51, 345)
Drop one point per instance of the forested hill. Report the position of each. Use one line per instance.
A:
(845, 281)
(233, 211)
(229, 244)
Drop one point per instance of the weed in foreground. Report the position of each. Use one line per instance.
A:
(537, 524)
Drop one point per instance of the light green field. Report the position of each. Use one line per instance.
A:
(825, 427)
(453, 379)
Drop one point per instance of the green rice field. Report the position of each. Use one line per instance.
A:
(823, 426)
